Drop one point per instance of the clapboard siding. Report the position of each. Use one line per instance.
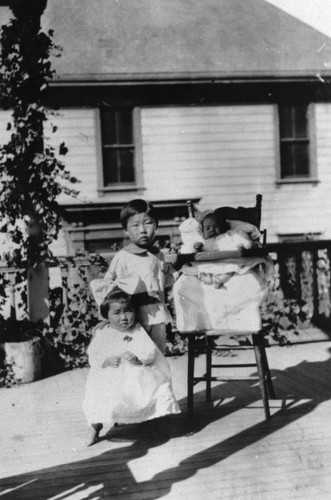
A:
(77, 128)
(310, 204)
(224, 155)
(213, 152)
(227, 154)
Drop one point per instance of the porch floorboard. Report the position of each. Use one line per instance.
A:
(227, 451)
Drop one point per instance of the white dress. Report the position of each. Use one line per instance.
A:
(236, 305)
(142, 273)
(129, 393)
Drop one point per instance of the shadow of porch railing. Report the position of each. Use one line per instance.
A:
(302, 273)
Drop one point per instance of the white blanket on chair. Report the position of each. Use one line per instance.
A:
(234, 306)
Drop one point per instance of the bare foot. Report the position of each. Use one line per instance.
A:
(92, 434)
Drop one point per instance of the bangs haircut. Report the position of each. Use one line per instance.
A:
(135, 207)
(116, 295)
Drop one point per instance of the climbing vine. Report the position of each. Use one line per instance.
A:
(31, 173)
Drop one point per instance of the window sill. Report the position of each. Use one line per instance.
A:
(297, 180)
(122, 187)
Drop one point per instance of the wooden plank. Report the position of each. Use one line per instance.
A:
(228, 448)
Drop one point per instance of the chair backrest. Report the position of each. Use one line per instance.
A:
(246, 214)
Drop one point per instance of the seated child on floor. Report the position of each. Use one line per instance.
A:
(129, 380)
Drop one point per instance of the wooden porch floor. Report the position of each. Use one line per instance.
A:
(227, 452)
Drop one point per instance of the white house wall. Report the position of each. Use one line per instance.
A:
(304, 208)
(224, 155)
(77, 128)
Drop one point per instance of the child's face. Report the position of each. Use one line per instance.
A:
(141, 229)
(121, 315)
(210, 227)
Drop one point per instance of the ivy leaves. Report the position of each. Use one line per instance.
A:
(32, 176)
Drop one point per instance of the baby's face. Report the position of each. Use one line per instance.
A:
(210, 227)
(121, 315)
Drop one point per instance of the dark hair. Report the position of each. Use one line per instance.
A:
(218, 216)
(116, 295)
(134, 207)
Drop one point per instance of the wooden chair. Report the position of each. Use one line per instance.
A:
(208, 346)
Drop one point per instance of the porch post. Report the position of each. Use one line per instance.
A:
(38, 301)
(37, 276)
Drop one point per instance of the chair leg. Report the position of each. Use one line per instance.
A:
(270, 387)
(209, 349)
(258, 343)
(190, 372)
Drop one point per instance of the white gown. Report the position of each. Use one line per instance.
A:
(236, 305)
(129, 393)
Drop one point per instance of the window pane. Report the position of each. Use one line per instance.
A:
(126, 165)
(293, 122)
(300, 121)
(124, 124)
(118, 166)
(294, 160)
(285, 121)
(118, 146)
(108, 127)
(110, 166)
(287, 160)
(301, 160)
(294, 137)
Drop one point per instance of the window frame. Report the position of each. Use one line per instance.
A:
(311, 136)
(137, 185)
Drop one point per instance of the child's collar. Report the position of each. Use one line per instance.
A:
(135, 249)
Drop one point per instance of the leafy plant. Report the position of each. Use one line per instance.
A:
(7, 375)
(32, 176)
(280, 316)
(73, 320)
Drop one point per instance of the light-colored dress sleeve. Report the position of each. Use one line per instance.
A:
(148, 353)
(97, 351)
(117, 275)
(167, 271)
(143, 347)
(102, 286)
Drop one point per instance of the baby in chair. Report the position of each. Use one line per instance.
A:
(207, 233)
(226, 235)
(225, 293)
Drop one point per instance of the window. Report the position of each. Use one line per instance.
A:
(294, 142)
(117, 146)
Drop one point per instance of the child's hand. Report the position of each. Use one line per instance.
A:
(132, 358)
(220, 279)
(198, 246)
(180, 260)
(112, 361)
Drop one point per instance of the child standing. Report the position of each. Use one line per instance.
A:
(140, 270)
(129, 380)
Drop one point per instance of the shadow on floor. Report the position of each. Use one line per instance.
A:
(108, 475)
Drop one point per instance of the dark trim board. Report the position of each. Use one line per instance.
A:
(187, 93)
(109, 213)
